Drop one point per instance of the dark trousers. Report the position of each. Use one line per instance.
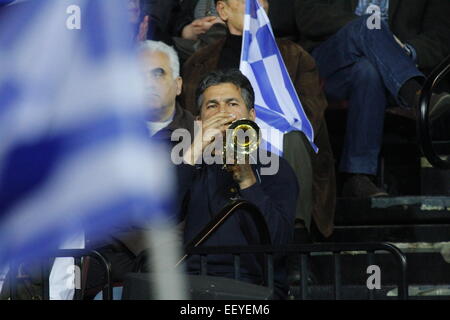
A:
(363, 66)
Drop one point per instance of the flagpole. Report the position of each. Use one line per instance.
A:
(168, 282)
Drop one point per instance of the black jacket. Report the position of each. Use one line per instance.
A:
(424, 24)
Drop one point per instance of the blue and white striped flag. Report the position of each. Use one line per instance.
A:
(278, 108)
(74, 150)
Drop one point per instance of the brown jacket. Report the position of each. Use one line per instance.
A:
(302, 69)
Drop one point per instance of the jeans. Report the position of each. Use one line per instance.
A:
(363, 66)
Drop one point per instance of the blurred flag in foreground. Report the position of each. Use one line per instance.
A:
(277, 105)
(74, 150)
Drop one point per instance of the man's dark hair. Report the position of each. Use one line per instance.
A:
(233, 76)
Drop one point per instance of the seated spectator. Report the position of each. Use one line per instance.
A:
(196, 26)
(152, 19)
(222, 98)
(366, 58)
(161, 68)
(139, 22)
(195, 18)
(161, 14)
(315, 172)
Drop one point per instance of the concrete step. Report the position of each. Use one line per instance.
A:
(393, 211)
(423, 268)
(416, 292)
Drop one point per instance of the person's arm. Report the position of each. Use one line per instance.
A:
(211, 129)
(199, 27)
(155, 17)
(276, 198)
(187, 27)
(318, 19)
(184, 17)
(432, 45)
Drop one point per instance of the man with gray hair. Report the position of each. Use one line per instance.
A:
(161, 69)
(205, 189)
(163, 84)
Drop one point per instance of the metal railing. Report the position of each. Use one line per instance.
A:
(77, 254)
(265, 250)
(304, 250)
(423, 123)
(268, 251)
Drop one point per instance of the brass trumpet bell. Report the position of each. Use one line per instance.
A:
(242, 138)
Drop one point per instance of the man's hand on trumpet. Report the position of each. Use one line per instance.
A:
(211, 129)
(243, 175)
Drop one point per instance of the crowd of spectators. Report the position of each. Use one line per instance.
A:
(333, 50)
(368, 69)
(369, 53)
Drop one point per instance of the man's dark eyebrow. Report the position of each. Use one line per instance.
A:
(232, 99)
(212, 101)
(226, 100)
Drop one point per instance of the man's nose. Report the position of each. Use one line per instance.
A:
(223, 107)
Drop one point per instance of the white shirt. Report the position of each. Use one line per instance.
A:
(155, 127)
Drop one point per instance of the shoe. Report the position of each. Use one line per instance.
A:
(361, 186)
(403, 112)
(439, 105)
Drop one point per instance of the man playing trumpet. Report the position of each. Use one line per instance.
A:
(223, 97)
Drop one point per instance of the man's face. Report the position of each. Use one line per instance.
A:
(226, 98)
(233, 12)
(161, 88)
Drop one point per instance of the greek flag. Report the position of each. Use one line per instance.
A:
(74, 153)
(278, 108)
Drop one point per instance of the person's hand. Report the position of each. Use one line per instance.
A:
(243, 175)
(143, 30)
(211, 129)
(199, 27)
(239, 166)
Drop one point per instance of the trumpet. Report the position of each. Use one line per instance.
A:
(242, 139)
